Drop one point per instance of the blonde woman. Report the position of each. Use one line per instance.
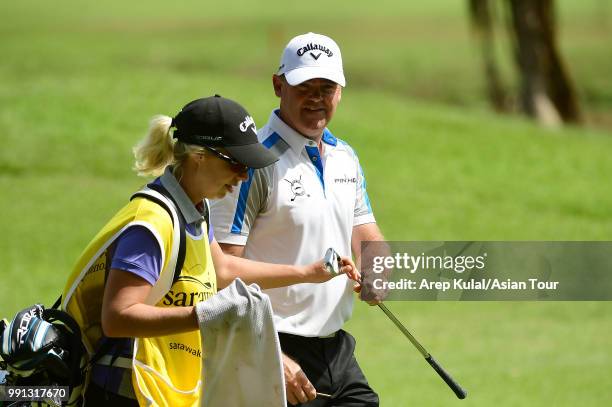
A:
(136, 312)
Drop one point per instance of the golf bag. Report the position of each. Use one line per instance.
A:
(43, 347)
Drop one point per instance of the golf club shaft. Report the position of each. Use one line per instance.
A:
(455, 387)
(402, 328)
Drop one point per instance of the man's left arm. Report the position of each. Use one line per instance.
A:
(368, 232)
(364, 224)
(365, 229)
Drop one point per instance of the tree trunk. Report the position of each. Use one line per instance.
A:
(482, 23)
(547, 92)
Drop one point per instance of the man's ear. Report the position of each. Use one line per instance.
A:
(277, 83)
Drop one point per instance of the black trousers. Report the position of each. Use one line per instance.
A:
(331, 367)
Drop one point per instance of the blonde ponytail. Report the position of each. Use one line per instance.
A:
(155, 151)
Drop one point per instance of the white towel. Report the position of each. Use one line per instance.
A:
(241, 356)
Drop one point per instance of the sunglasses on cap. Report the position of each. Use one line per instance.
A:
(236, 166)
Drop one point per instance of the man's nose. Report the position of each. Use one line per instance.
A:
(316, 94)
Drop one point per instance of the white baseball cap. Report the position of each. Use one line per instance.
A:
(310, 56)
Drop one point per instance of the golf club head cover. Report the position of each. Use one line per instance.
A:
(29, 343)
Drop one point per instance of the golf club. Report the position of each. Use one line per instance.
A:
(459, 392)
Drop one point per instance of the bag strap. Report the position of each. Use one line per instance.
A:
(180, 259)
(57, 303)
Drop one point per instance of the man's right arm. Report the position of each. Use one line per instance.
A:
(233, 249)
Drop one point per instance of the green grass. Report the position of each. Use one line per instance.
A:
(504, 354)
(78, 84)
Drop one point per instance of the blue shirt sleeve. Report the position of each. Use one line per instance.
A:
(137, 252)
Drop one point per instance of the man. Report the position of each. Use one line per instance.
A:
(313, 198)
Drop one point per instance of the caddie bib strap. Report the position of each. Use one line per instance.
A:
(180, 259)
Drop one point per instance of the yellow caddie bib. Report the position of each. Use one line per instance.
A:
(166, 370)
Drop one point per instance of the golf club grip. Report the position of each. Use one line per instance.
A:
(446, 377)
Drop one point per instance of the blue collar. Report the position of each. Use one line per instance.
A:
(296, 140)
(329, 138)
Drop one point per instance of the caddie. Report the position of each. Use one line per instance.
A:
(314, 197)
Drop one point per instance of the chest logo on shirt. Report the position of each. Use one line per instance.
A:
(346, 180)
(297, 188)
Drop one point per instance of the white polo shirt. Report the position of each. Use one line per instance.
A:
(290, 213)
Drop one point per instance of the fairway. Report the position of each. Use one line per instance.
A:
(78, 84)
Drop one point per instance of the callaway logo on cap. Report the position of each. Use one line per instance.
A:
(310, 56)
(248, 123)
(219, 122)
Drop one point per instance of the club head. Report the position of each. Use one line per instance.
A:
(332, 262)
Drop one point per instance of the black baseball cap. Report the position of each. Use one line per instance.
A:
(219, 122)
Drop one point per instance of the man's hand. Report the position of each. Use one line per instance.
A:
(317, 272)
(298, 387)
(349, 268)
(374, 301)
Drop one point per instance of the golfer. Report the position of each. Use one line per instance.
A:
(144, 335)
(312, 198)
